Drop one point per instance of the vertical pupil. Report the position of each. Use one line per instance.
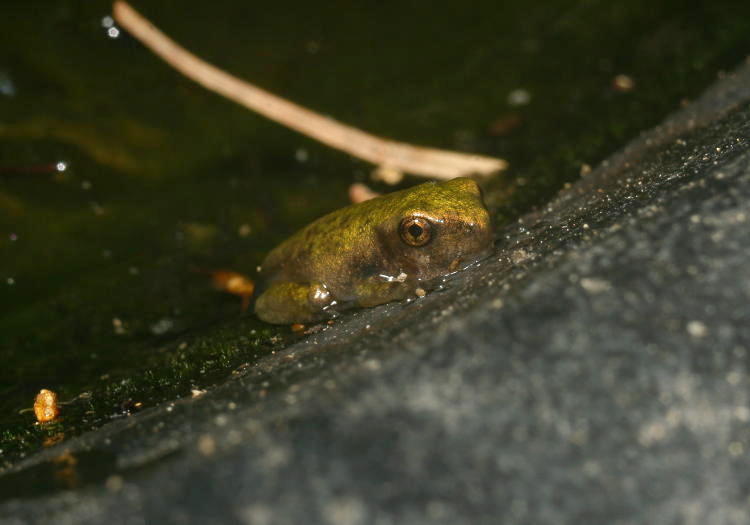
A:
(415, 230)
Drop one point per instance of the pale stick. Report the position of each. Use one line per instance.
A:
(388, 154)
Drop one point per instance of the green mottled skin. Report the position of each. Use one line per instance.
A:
(349, 255)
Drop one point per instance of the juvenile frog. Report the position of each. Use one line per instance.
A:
(374, 252)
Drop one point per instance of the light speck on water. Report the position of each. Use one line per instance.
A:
(162, 326)
(519, 97)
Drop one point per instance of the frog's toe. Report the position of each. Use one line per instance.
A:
(287, 303)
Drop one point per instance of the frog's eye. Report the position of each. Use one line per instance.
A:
(415, 231)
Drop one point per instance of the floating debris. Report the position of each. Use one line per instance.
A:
(390, 176)
(234, 283)
(129, 406)
(244, 230)
(118, 326)
(623, 83)
(46, 408)
(359, 192)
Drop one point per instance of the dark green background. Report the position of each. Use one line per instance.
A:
(162, 174)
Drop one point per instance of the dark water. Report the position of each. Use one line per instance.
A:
(100, 282)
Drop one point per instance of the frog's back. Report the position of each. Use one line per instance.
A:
(326, 249)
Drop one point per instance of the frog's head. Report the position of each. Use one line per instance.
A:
(437, 229)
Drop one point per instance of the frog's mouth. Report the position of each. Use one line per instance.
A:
(463, 262)
(458, 264)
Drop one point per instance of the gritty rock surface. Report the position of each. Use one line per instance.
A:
(595, 370)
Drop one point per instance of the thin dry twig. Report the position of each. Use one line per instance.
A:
(417, 160)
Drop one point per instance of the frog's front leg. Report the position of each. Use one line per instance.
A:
(381, 289)
(287, 303)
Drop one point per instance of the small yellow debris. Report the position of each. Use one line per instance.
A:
(420, 292)
(118, 326)
(389, 175)
(234, 283)
(623, 83)
(244, 230)
(297, 328)
(45, 406)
